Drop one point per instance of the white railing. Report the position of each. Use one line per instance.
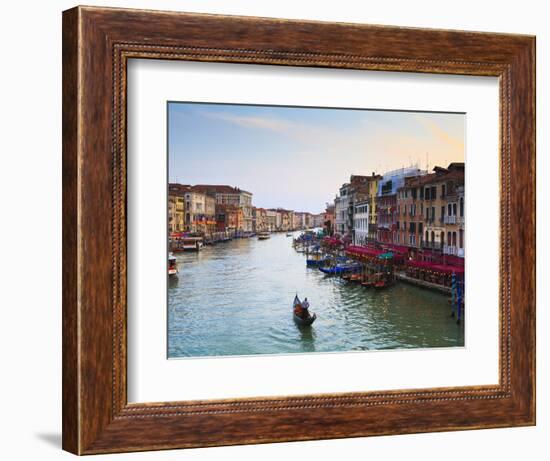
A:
(450, 250)
(450, 219)
(460, 252)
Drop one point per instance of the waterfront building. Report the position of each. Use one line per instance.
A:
(410, 212)
(341, 210)
(442, 209)
(287, 219)
(461, 221)
(318, 220)
(176, 212)
(386, 202)
(228, 218)
(299, 220)
(259, 220)
(195, 208)
(309, 221)
(200, 211)
(361, 222)
(271, 219)
(328, 225)
(228, 195)
(209, 219)
(365, 188)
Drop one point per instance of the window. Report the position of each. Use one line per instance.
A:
(448, 238)
(434, 192)
(454, 209)
(449, 209)
(461, 238)
(461, 207)
(443, 191)
(454, 239)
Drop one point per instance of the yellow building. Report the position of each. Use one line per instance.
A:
(365, 189)
(176, 210)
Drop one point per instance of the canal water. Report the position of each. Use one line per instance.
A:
(235, 298)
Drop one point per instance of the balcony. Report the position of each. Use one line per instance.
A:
(450, 219)
(450, 250)
(431, 245)
(460, 252)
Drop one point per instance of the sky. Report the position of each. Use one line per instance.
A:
(297, 158)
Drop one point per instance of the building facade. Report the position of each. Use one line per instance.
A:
(228, 195)
(259, 220)
(386, 203)
(341, 210)
(228, 218)
(361, 219)
(176, 213)
(442, 205)
(271, 220)
(329, 218)
(365, 188)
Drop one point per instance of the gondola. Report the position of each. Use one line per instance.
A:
(299, 320)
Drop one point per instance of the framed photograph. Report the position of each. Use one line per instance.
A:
(265, 234)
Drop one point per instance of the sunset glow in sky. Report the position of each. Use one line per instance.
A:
(297, 158)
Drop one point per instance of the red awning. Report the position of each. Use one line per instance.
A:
(363, 251)
(332, 241)
(442, 268)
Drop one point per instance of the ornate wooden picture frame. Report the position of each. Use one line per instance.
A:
(97, 44)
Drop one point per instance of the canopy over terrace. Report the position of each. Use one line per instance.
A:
(441, 268)
(332, 241)
(400, 249)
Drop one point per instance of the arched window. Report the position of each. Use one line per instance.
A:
(448, 238)
(454, 239)
(461, 238)
(454, 209)
(461, 206)
(449, 209)
(433, 236)
(427, 237)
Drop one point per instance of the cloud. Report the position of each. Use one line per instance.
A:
(439, 133)
(262, 122)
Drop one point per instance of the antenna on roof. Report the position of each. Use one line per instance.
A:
(427, 162)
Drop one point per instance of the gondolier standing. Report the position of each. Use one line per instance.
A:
(301, 312)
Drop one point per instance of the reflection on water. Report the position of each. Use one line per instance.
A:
(235, 298)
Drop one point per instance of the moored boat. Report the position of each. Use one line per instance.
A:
(263, 235)
(191, 244)
(340, 268)
(172, 265)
